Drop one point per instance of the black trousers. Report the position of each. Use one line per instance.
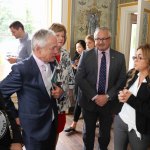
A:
(103, 114)
(77, 112)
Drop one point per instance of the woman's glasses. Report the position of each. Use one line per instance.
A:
(137, 58)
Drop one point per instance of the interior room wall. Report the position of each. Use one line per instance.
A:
(82, 11)
(126, 1)
(106, 11)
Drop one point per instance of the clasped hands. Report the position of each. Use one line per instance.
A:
(101, 100)
(124, 95)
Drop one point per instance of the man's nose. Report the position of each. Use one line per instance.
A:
(101, 41)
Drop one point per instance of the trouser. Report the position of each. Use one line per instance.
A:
(77, 112)
(90, 119)
(122, 137)
(48, 144)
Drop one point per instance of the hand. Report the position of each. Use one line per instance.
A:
(124, 95)
(74, 66)
(101, 100)
(16, 146)
(12, 60)
(57, 91)
(18, 121)
(76, 62)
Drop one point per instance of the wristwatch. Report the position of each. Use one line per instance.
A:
(108, 97)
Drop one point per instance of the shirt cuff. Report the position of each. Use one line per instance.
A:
(94, 97)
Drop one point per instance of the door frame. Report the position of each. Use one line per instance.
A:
(123, 36)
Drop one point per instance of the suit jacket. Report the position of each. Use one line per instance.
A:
(141, 104)
(35, 105)
(86, 77)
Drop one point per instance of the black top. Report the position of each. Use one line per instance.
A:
(141, 104)
(76, 56)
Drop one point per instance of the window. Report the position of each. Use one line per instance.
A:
(32, 16)
(56, 11)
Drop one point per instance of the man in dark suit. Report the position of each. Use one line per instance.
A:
(95, 102)
(31, 80)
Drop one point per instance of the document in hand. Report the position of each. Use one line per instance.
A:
(54, 77)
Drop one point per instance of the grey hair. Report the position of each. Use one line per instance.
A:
(102, 29)
(40, 38)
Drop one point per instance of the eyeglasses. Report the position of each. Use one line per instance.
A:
(137, 58)
(102, 39)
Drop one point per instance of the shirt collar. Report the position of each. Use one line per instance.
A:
(106, 51)
(39, 62)
(24, 37)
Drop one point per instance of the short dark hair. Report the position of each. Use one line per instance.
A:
(16, 25)
(82, 43)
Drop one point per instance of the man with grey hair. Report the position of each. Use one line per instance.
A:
(100, 74)
(31, 80)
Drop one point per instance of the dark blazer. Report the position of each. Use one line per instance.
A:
(141, 104)
(35, 105)
(86, 77)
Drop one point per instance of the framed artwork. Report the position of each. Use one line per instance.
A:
(86, 16)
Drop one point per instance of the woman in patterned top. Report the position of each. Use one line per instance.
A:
(65, 73)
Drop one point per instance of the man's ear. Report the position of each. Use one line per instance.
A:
(20, 29)
(37, 50)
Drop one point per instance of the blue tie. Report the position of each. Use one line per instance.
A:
(102, 75)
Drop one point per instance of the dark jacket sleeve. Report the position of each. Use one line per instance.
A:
(16, 131)
(8, 104)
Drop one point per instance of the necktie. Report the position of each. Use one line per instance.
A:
(47, 77)
(102, 75)
(47, 81)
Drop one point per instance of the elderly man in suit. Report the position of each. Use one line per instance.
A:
(31, 80)
(100, 74)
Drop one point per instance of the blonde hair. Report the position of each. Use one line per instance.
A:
(57, 27)
(90, 37)
(146, 54)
